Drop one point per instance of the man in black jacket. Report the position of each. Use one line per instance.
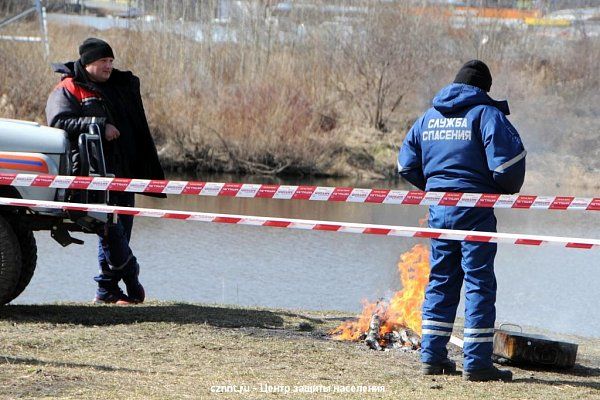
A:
(91, 91)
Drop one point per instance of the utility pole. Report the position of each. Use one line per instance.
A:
(43, 26)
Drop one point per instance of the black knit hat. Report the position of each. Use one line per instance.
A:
(475, 73)
(93, 49)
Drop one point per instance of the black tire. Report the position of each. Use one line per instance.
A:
(28, 257)
(10, 261)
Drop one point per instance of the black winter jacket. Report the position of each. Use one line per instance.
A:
(76, 102)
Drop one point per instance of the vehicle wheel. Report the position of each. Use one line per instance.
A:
(10, 261)
(28, 257)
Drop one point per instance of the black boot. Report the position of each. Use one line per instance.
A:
(109, 292)
(444, 367)
(488, 374)
(135, 290)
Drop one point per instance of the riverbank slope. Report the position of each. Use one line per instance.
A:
(174, 350)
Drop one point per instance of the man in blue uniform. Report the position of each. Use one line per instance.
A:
(464, 143)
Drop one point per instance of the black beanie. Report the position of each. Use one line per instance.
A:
(93, 49)
(475, 73)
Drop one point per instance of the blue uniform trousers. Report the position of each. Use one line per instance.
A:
(453, 262)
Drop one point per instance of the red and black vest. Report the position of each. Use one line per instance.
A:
(82, 95)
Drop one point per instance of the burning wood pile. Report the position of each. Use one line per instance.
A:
(401, 338)
(395, 323)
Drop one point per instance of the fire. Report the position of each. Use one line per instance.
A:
(404, 309)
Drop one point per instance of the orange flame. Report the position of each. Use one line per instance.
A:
(404, 309)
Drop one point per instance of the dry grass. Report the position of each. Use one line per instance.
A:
(179, 351)
(335, 100)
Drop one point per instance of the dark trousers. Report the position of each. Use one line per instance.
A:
(115, 257)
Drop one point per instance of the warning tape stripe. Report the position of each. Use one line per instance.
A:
(314, 193)
(348, 227)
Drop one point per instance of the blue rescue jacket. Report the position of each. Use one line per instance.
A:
(464, 143)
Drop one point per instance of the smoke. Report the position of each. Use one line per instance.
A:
(552, 86)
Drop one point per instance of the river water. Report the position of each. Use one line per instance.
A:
(547, 287)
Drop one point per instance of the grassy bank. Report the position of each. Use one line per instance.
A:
(304, 94)
(167, 350)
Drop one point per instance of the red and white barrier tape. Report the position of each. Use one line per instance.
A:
(348, 227)
(315, 193)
